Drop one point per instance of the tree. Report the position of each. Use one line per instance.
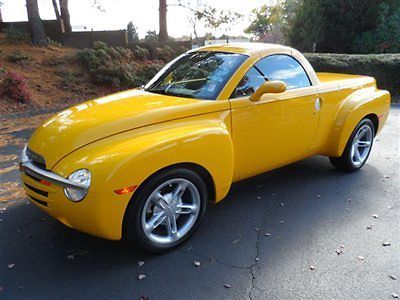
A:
(1, 16)
(163, 33)
(216, 19)
(385, 38)
(38, 35)
(306, 28)
(269, 22)
(58, 16)
(65, 15)
(333, 26)
(132, 33)
(151, 35)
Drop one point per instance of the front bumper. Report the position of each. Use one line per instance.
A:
(94, 215)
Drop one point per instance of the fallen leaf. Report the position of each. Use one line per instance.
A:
(361, 258)
(259, 198)
(257, 259)
(228, 286)
(389, 207)
(10, 266)
(318, 196)
(386, 243)
(282, 204)
(375, 216)
(257, 229)
(312, 268)
(369, 227)
(339, 251)
(273, 194)
(144, 298)
(282, 222)
(140, 263)
(197, 263)
(393, 277)
(267, 234)
(141, 276)
(395, 296)
(70, 256)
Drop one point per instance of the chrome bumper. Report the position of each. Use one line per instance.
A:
(28, 167)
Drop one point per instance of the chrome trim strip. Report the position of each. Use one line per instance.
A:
(26, 166)
(29, 168)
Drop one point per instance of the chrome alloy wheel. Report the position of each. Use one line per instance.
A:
(361, 145)
(170, 211)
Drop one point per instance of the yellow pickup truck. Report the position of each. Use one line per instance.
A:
(143, 163)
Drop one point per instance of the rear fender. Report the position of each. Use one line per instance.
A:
(359, 104)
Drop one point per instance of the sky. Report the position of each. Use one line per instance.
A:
(144, 14)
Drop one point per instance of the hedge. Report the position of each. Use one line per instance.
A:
(384, 67)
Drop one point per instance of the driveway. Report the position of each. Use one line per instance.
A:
(302, 231)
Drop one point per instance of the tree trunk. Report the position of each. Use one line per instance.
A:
(163, 34)
(58, 17)
(38, 35)
(65, 15)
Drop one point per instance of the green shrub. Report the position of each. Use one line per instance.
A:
(148, 71)
(385, 68)
(18, 56)
(16, 35)
(141, 53)
(112, 66)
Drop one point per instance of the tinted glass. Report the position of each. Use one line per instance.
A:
(285, 68)
(200, 75)
(248, 85)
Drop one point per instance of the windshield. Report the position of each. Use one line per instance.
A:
(200, 75)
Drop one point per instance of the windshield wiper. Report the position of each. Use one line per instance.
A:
(168, 93)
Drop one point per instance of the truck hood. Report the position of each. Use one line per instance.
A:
(96, 119)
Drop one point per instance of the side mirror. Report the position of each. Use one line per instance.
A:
(272, 87)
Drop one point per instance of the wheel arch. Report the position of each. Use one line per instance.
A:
(363, 103)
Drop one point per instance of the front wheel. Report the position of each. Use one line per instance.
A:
(357, 149)
(167, 210)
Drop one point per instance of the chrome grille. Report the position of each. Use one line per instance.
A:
(36, 158)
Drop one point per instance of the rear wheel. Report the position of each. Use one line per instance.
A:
(167, 210)
(357, 149)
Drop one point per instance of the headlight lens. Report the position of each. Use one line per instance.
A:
(83, 178)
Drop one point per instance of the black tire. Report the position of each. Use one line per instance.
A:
(133, 228)
(345, 162)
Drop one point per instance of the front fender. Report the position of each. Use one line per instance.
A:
(359, 104)
(128, 159)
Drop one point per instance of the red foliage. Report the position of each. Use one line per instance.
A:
(14, 86)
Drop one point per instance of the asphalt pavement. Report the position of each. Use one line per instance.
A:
(304, 231)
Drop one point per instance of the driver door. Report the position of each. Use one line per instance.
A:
(279, 128)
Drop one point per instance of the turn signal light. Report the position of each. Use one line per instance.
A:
(125, 190)
(45, 182)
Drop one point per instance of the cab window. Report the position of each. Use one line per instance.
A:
(285, 68)
(249, 83)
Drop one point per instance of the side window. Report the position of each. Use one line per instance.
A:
(250, 82)
(285, 68)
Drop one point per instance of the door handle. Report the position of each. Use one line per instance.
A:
(318, 104)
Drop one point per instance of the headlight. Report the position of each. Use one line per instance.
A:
(23, 154)
(81, 177)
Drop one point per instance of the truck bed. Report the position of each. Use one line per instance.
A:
(345, 80)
